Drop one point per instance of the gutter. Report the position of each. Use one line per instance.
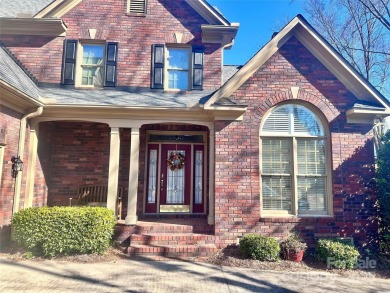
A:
(22, 138)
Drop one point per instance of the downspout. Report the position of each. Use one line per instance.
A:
(224, 47)
(22, 138)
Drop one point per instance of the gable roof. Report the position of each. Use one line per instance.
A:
(22, 8)
(12, 74)
(320, 48)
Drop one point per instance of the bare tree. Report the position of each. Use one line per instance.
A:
(360, 31)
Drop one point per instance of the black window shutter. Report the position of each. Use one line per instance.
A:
(157, 67)
(197, 68)
(111, 64)
(69, 62)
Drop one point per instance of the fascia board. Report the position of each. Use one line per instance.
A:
(336, 64)
(253, 64)
(32, 26)
(207, 12)
(13, 96)
(219, 34)
(45, 11)
(57, 9)
(363, 116)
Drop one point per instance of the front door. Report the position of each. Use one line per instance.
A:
(175, 178)
(175, 181)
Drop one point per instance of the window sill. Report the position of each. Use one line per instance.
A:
(291, 218)
(135, 14)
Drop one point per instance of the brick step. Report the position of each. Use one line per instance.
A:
(122, 232)
(179, 251)
(171, 239)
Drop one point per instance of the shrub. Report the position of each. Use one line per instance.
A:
(51, 231)
(293, 244)
(383, 184)
(259, 247)
(340, 255)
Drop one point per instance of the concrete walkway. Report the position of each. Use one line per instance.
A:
(172, 276)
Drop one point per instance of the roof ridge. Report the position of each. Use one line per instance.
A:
(19, 63)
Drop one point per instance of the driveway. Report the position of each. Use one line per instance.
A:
(171, 276)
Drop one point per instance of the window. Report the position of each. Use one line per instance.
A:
(294, 165)
(177, 68)
(89, 64)
(92, 65)
(136, 6)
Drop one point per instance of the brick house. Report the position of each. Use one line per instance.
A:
(133, 95)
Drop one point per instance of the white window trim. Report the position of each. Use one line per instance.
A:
(294, 172)
(2, 151)
(166, 69)
(79, 61)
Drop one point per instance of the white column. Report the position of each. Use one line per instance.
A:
(131, 218)
(32, 161)
(210, 218)
(113, 170)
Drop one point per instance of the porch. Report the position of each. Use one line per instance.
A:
(135, 160)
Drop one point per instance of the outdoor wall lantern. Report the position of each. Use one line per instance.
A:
(17, 165)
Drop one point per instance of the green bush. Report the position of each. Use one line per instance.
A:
(337, 254)
(259, 247)
(383, 184)
(51, 231)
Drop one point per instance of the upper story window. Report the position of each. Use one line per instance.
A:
(295, 164)
(136, 6)
(92, 65)
(177, 68)
(89, 64)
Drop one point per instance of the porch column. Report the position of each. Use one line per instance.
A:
(32, 161)
(131, 218)
(210, 218)
(113, 170)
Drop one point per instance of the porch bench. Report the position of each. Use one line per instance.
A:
(96, 195)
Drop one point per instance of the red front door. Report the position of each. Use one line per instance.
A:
(175, 185)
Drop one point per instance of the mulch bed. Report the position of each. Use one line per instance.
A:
(231, 256)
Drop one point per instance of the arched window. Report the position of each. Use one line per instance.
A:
(294, 163)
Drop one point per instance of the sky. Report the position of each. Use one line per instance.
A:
(258, 20)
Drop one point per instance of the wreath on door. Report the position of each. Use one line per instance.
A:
(176, 161)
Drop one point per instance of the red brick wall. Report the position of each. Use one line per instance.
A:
(10, 122)
(73, 154)
(42, 56)
(237, 190)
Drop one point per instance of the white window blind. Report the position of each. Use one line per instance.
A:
(305, 122)
(293, 164)
(276, 156)
(311, 175)
(290, 119)
(278, 121)
(311, 157)
(276, 185)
